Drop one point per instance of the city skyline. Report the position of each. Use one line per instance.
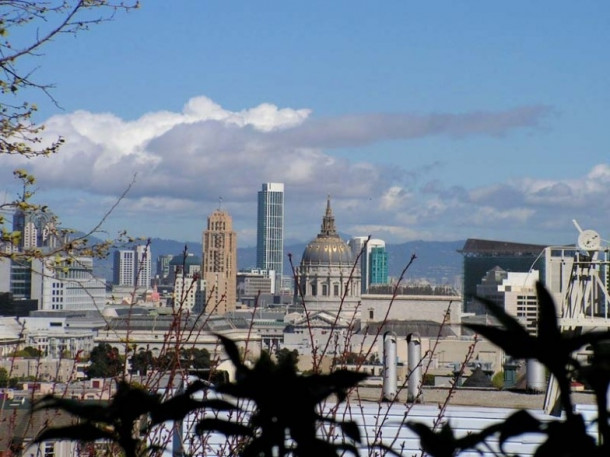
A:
(483, 122)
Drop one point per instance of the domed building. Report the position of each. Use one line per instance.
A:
(328, 276)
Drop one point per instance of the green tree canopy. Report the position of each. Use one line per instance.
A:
(286, 357)
(105, 362)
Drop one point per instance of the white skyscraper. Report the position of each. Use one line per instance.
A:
(132, 267)
(270, 231)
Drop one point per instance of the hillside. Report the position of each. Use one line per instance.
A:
(437, 261)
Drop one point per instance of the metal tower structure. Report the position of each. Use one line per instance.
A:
(578, 277)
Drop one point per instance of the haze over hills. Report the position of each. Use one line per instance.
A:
(437, 261)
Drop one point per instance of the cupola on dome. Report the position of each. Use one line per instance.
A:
(327, 248)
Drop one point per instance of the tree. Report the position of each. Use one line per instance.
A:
(188, 358)
(141, 361)
(47, 20)
(3, 377)
(286, 357)
(26, 28)
(105, 362)
(197, 358)
(28, 352)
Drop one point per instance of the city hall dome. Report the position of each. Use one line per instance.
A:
(327, 248)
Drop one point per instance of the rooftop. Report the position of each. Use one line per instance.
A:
(475, 246)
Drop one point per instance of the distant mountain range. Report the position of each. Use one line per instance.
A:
(437, 261)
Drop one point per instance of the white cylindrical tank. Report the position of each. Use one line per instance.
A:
(389, 366)
(535, 376)
(415, 371)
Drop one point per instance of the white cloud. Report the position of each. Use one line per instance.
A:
(184, 161)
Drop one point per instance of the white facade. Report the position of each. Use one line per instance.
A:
(67, 285)
(189, 293)
(144, 266)
(376, 308)
(520, 299)
(133, 267)
(53, 337)
(11, 335)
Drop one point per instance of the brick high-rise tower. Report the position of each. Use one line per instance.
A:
(220, 263)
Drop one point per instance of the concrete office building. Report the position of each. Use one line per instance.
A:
(37, 230)
(163, 267)
(520, 298)
(68, 285)
(255, 287)
(480, 256)
(132, 267)
(219, 267)
(270, 231)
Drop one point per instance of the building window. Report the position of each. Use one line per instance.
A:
(314, 289)
(49, 449)
(324, 289)
(336, 290)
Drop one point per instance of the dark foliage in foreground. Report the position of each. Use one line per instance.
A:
(274, 410)
(555, 350)
(283, 422)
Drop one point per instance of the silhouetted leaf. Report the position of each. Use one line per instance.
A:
(79, 432)
(518, 346)
(176, 408)
(548, 329)
(566, 439)
(351, 430)
(196, 386)
(517, 424)
(344, 379)
(231, 350)
(576, 342)
(224, 427)
(508, 322)
(437, 444)
(130, 402)
(345, 447)
(78, 408)
(337, 382)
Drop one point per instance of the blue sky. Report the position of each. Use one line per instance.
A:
(423, 120)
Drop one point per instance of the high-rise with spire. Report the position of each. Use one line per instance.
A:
(270, 231)
(219, 267)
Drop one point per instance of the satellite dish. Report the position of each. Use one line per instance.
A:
(588, 240)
